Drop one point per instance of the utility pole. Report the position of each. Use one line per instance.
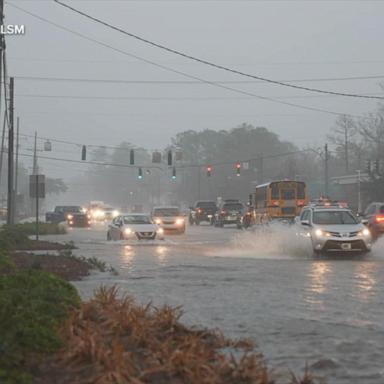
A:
(11, 197)
(17, 165)
(358, 191)
(2, 47)
(326, 176)
(35, 170)
(261, 169)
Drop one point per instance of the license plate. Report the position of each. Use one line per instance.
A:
(346, 246)
(209, 216)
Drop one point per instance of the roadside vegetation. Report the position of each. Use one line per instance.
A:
(44, 228)
(47, 335)
(16, 237)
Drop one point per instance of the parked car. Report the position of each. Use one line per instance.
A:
(134, 226)
(169, 218)
(202, 211)
(333, 229)
(374, 216)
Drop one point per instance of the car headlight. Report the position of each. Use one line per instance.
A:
(158, 221)
(70, 217)
(319, 233)
(364, 232)
(160, 231)
(179, 221)
(115, 213)
(128, 231)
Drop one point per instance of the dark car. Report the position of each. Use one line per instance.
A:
(229, 212)
(78, 219)
(202, 211)
(374, 215)
(61, 213)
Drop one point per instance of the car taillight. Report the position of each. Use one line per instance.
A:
(275, 203)
(199, 210)
(380, 218)
(300, 203)
(223, 212)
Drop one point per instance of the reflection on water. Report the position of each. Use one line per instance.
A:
(128, 257)
(318, 282)
(162, 253)
(365, 281)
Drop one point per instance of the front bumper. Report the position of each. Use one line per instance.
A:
(348, 244)
(143, 236)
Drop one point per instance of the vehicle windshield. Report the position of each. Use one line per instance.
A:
(206, 204)
(166, 212)
(71, 209)
(334, 218)
(233, 207)
(137, 219)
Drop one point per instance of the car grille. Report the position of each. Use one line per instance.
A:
(343, 234)
(356, 245)
(146, 235)
(169, 222)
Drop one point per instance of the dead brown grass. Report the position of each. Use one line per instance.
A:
(114, 340)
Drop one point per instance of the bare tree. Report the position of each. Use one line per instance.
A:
(371, 128)
(342, 136)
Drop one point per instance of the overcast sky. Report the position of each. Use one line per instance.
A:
(283, 40)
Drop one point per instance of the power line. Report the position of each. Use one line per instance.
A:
(164, 67)
(211, 64)
(165, 98)
(186, 82)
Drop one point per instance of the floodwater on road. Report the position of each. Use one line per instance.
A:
(266, 286)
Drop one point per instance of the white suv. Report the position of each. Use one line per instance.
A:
(333, 229)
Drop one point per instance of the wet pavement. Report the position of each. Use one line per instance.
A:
(266, 286)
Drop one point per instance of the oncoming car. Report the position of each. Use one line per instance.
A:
(169, 218)
(134, 226)
(334, 229)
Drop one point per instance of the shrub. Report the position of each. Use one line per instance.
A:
(33, 305)
(12, 237)
(44, 228)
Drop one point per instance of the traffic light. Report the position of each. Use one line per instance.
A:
(140, 174)
(209, 171)
(131, 157)
(368, 167)
(169, 157)
(84, 153)
(238, 169)
(174, 173)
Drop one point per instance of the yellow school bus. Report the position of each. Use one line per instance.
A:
(279, 200)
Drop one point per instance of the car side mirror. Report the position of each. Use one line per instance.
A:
(305, 222)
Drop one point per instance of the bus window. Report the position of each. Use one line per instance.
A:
(275, 191)
(300, 191)
(288, 194)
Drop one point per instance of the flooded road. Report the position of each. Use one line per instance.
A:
(328, 313)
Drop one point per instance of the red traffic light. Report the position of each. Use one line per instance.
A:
(238, 168)
(209, 170)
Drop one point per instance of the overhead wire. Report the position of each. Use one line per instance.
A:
(209, 63)
(187, 82)
(182, 73)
